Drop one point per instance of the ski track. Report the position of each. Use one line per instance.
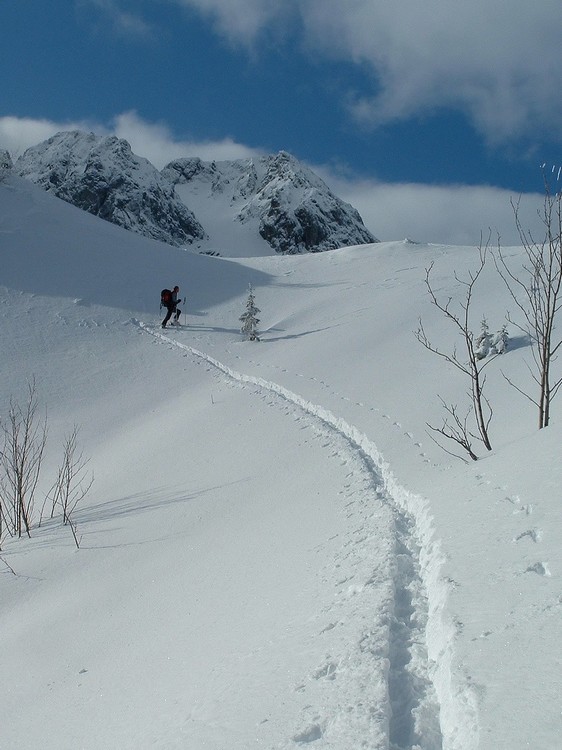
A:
(323, 384)
(424, 709)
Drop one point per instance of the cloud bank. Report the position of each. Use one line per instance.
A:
(451, 215)
(454, 215)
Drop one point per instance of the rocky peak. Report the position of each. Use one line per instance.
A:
(103, 176)
(5, 161)
(293, 210)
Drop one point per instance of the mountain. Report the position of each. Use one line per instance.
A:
(276, 197)
(104, 177)
(237, 208)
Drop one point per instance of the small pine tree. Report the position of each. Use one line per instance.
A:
(249, 319)
(500, 341)
(483, 343)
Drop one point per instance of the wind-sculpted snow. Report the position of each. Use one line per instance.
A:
(409, 642)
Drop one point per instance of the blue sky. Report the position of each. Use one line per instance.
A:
(447, 107)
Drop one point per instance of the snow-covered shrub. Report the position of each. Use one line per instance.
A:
(483, 342)
(500, 341)
(488, 344)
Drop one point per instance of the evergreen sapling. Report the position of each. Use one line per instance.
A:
(488, 344)
(483, 343)
(500, 341)
(249, 318)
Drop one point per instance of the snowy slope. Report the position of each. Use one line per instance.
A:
(217, 192)
(273, 554)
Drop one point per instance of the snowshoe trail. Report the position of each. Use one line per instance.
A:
(400, 655)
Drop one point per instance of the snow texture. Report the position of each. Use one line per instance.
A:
(273, 554)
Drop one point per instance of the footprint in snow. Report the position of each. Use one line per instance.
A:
(311, 734)
(532, 534)
(326, 672)
(541, 568)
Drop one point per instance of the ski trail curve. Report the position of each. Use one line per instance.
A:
(430, 709)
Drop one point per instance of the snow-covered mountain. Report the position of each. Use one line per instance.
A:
(270, 205)
(276, 197)
(104, 177)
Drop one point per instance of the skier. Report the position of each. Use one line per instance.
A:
(171, 304)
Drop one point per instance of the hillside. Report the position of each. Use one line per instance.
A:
(274, 553)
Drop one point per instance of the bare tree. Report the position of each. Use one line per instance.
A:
(536, 293)
(25, 435)
(454, 427)
(72, 483)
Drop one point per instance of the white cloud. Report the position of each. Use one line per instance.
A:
(456, 215)
(496, 60)
(18, 133)
(426, 213)
(155, 142)
(122, 21)
(243, 20)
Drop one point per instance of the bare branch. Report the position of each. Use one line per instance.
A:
(72, 483)
(457, 430)
(536, 291)
(7, 564)
(20, 462)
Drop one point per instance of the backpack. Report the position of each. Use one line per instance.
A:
(165, 297)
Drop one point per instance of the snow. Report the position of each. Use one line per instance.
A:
(274, 553)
